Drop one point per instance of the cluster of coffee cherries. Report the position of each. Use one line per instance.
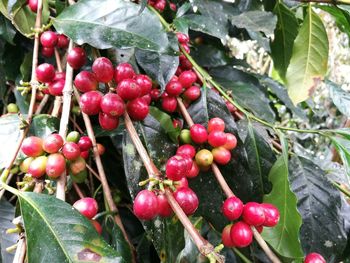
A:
(50, 40)
(253, 214)
(132, 92)
(161, 4)
(88, 207)
(51, 155)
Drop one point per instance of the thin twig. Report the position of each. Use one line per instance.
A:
(20, 251)
(78, 190)
(58, 99)
(42, 104)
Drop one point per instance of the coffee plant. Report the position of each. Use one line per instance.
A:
(130, 133)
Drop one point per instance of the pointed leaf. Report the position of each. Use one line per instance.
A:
(343, 148)
(285, 32)
(340, 97)
(308, 64)
(112, 23)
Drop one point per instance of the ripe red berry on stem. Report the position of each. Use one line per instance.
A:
(272, 215)
(187, 199)
(217, 138)
(97, 226)
(128, 89)
(56, 87)
(137, 109)
(164, 209)
(45, 72)
(87, 206)
(55, 165)
(174, 88)
(216, 124)
(85, 81)
(155, 94)
(76, 58)
(169, 104)
(145, 84)
(123, 71)
(47, 51)
(48, 39)
(90, 102)
(145, 205)
(231, 141)
(183, 182)
(198, 133)
(52, 143)
(112, 104)
(71, 150)
(182, 38)
(221, 155)
(32, 146)
(147, 99)
(241, 234)
(194, 171)
(232, 208)
(314, 258)
(103, 69)
(253, 214)
(85, 143)
(175, 168)
(33, 5)
(226, 236)
(172, 6)
(84, 154)
(108, 122)
(37, 167)
(192, 93)
(62, 41)
(187, 78)
(186, 149)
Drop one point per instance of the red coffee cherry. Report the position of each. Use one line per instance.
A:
(85, 81)
(259, 229)
(221, 155)
(177, 124)
(137, 109)
(90, 102)
(186, 150)
(192, 93)
(55, 166)
(97, 226)
(47, 51)
(84, 154)
(145, 84)
(231, 108)
(176, 168)
(272, 215)
(59, 75)
(76, 58)
(164, 209)
(172, 6)
(86, 206)
(226, 236)
(186, 48)
(232, 208)
(204, 158)
(108, 122)
(187, 78)
(241, 234)
(314, 258)
(147, 99)
(103, 69)
(48, 39)
(33, 5)
(128, 89)
(253, 214)
(52, 143)
(56, 87)
(183, 182)
(217, 138)
(198, 133)
(145, 205)
(160, 5)
(231, 141)
(71, 151)
(182, 38)
(45, 72)
(155, 94)
(77, 166)
(185, 64)
(169, 104)
(194, 171)
(112, 105)
(85, 143)
(37, 167)
(32, 146)
(123, 71)
(174, 88)
(62, 41)
(216, 124)
(187, 199)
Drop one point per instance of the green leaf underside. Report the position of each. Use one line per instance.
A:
(61, 233)
(284, 237)
(285, 33)
(112, 23)
(309, 59)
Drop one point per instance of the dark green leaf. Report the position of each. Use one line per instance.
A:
(341, 17)
(43, 125)
(340, 97)
(284, 238)
(61, 233)
(205, 25)
(159, 66)
(166, 123)
(60, 5)
(13, 58)
(7, 32)
(216, 10)
(243, 85)
(285, 33)
(320, 205)
(258, 21)
(183, 9)
(210, 56)
(26, 66)
(112, 23)
(7, 213)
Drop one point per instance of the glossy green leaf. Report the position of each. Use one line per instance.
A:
(61, 233)
(308, 64)
(321, 207)
(257, 21)
(340, 97)
(43, 125)
(243, 85)
(210, 56)
(166, 123)
(284, 238)
(343, 148)
(7, 213)
(112, 23)
(183, 9)
(285, 33)
(7, 32)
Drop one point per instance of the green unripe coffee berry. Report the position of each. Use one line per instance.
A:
(73, 136)
(12, 108)
(185, 136)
